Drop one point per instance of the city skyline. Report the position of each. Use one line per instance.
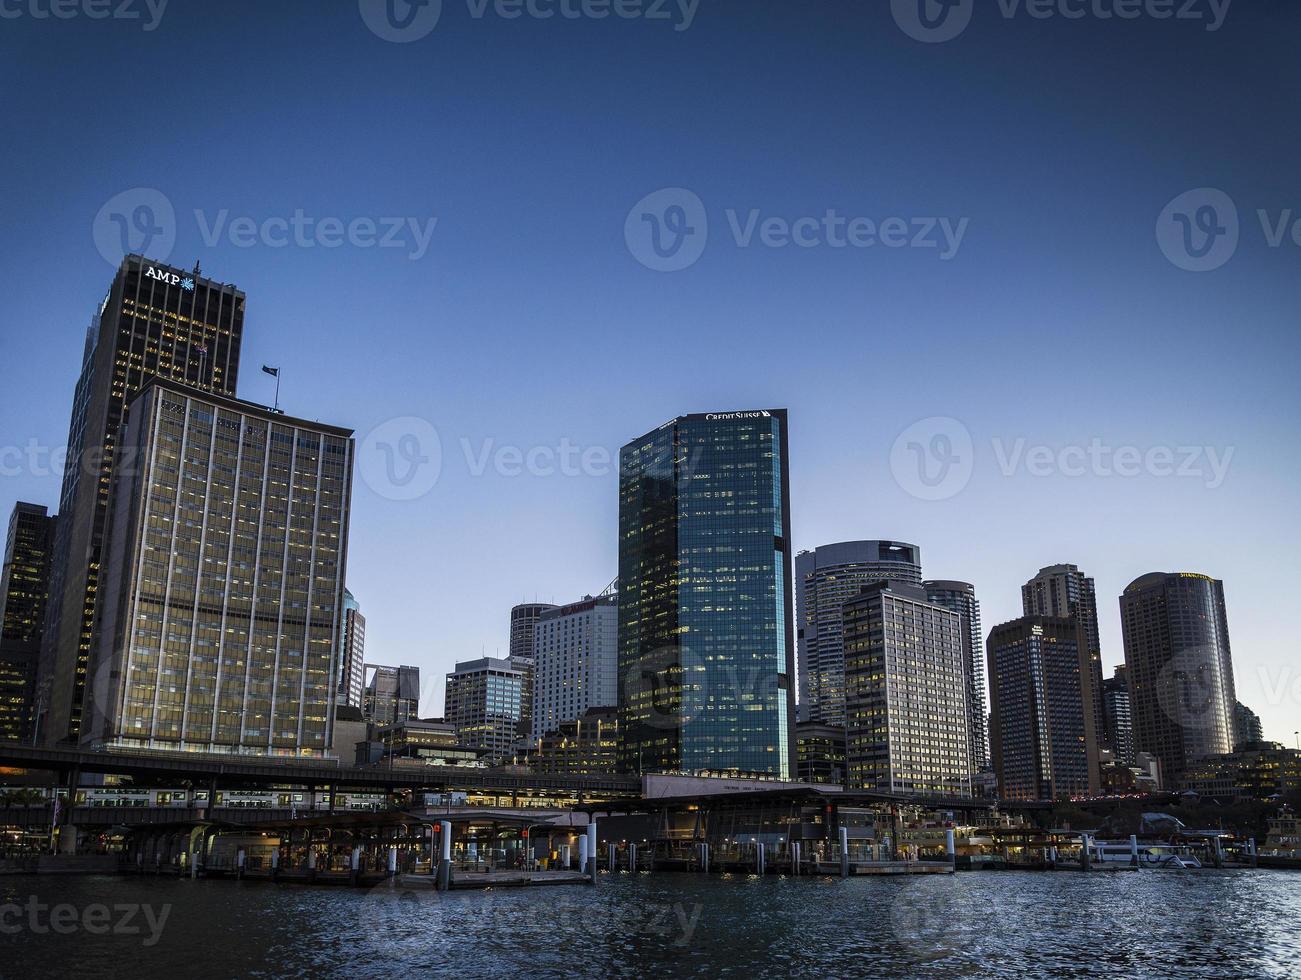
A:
(1162, 357)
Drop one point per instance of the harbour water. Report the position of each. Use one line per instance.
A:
(1137, 924)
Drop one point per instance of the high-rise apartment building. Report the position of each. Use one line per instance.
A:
(1247, 727)
(221, 603)
(1117, 717)
(961, 598)
(156, 321)
(1180, 668)
(393, 695)
(1063, 591)
(485, 701)
(825, 579)
(906, 693)
(1041, 720)
(24, 594)
(575, 662)
(706, 641)
(352, 672)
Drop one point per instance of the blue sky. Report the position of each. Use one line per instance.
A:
(528, 322)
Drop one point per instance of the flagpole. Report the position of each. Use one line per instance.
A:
(277, 405)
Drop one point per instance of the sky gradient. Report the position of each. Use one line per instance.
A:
(528, 321)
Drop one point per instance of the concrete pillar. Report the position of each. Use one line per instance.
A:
(795, 857)
(759, 856)
(392, 861)
(1219, 851)
(704, 857)
(591, 847)
(611, 854)
(582, 853)
(632, 859)
(311, 857)
(1251, 851)
(445, 855)
(275, 860)
(1086, 860)
(566, 857)
(844, 852)
(1133, 850)
(950, 847)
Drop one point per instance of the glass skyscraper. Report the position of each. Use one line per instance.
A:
(961, 598)
(24, 592)
(825, 579)
(1180, 667)
(484, 699)
(222, 602)
(706, 641)
(156, 321)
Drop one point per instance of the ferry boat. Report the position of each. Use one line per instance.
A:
(1165, 857)
(1282, 848)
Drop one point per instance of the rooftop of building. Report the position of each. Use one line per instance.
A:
(253, 409)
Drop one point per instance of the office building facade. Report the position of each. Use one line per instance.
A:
(156, 321)
(523, 628)
(1063, 591)
(1041, 720)
(352, 671)
(222, 603)
(485, 701)
(1180, 667)
(820, 753)
(825, 579)
(24, 596)
(585, 746)
(961, 598)
(575, 662)
(706, 641)
(1117, 719)
(905, 693)
(392, 695)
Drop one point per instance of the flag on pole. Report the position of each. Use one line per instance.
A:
(273, 371)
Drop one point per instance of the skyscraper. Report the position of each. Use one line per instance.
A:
(826, 578)
(1118, 718)
(352, 673)
(706, 641)
(575, 662)
(1247, 727)
(393, 694)
(155, 321)
(24, 593)
(1180, 667)
(961, 598)
(1041, 723)
(1064, 591)
(221, 603)
(906, 693)
(523, 626)
(485, 701)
